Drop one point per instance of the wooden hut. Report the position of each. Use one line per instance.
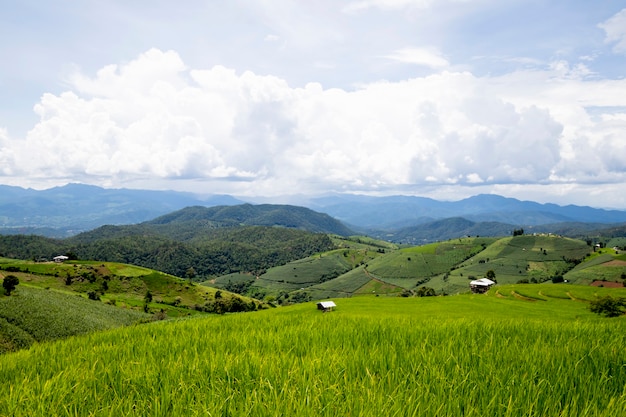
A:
(326, 306)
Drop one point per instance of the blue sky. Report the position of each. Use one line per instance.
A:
(440, 98)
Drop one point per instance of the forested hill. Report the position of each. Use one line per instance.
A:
(196, 223)
(257, 215)
(208, 241)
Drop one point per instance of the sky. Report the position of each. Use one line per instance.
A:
(274, 98)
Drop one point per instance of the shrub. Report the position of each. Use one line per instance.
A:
(9, 283)
(609, 306)
(426, 292)
(93, 295)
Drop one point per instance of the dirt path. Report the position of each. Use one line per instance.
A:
(522, 297)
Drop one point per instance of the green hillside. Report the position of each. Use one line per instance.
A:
(126, 286)
(514, 259)
(74, 297)
(34, 314)
(473, 355)
(602, 267)
(174, 248)
(363, 267)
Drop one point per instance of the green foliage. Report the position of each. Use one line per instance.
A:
(48, 315)
(609, 306)
(9, 283)
(13, 338)
(426, 292)
(221, 251)
(433, 356)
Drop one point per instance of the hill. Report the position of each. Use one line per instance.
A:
(57, 300)
(212, 241)
(34, 314)
(445, 229)
(270, 215)
(359, 268)
(70, 209)
(474, 355)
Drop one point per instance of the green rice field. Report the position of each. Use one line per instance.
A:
(464, 355)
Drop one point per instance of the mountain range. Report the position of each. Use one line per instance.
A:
(74, 208)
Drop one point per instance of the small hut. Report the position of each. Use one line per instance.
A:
(326, 306)
(60, 258)
(481, 286)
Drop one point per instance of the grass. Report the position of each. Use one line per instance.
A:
(603, 265)
(464, 355)
(115, 281)
(46, 315)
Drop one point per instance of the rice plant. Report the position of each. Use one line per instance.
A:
(455, 356)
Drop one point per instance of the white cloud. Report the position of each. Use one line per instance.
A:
(615, 30)
(155, 119)
(428, 57)
(359, 5)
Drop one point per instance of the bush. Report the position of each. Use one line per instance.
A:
(609, 306)
(426, 292)
(9, 283)
(93, 295)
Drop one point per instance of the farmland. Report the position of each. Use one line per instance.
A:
(115, 283)
(474, 355)
(363, 267)
(57, 300)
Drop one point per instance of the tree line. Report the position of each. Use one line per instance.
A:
(242, 249)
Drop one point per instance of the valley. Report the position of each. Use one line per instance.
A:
(140, 319)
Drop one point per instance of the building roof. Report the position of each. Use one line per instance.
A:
(326, 304)
(483, 282)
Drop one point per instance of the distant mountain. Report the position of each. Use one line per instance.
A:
(445, 229)
(67, 210)
(389, 213)
(257, 215)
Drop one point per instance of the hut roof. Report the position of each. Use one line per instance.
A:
(483, 282)
(326, 304)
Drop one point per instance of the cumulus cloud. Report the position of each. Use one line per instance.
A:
(615, 30)
(156, 119)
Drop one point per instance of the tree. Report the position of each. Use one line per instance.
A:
(190, 273)
(93, 295)
(491, 274)
(608, 306)
(426, 292)
(9, 283)
(148, 297)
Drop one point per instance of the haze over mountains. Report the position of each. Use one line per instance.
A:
(67, 210)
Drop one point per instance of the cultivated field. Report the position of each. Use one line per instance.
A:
(467, 355)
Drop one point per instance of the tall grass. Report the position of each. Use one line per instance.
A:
(469, 356)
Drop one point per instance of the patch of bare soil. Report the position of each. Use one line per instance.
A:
(607, 284)
(615, 262)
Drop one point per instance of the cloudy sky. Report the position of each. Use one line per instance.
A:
(438, 98)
